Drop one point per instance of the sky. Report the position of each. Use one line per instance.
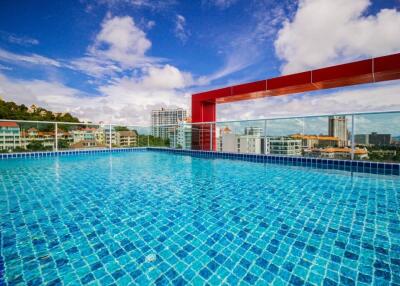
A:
(116, 60)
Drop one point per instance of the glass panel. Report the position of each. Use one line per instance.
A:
(26, 137)
(284, 137)
(377, 137)
(327, 137)
(123, 136)
(160, 136)
(80, 136)
(241, 137)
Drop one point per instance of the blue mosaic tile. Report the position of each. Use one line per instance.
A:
(160, 218)
(345, 165)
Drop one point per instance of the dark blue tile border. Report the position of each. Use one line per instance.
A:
(67, 152)
(317, 163)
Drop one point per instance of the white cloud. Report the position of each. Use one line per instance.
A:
(121, 41)
(19, 40)
(150, 24)
(148, 4)
(5, 68)
(127, 100)
(180, 28)
(32, 59)
(222, 4)
(135, 82)
(325, 32)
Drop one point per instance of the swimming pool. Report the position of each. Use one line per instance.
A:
(157, 218)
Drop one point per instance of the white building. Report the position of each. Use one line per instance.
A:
(84, 134)
(284, 146)
(107, 136)
(253, 144)
(162, 117)
(256, 131)
(184, 135)
(10, 137)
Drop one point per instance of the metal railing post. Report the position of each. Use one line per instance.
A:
(211, 137)
(265, 137)
(110, 145)
(352, 137)
(56, 135)
(174, 137)
(148, 140)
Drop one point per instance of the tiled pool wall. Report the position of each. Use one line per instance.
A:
(68, 152)
(317, 163)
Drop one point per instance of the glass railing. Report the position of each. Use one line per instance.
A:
(361, 136)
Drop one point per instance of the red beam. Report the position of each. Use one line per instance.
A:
(366, 71)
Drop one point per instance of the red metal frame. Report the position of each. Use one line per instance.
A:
(366, 71)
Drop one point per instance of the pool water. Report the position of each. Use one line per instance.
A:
(161, 219)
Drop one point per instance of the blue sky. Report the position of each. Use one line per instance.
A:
(118, 59)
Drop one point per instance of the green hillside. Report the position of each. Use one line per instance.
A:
(11, 110)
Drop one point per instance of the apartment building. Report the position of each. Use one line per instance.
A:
(162, 117)
(284, 146)
(127, 138)
(10, 137)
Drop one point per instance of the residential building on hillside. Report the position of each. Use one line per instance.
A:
(99, 135)
(87, 144)
(84, 134)
(126, 138)
(108, 136)
(162, 117)
(10, 137)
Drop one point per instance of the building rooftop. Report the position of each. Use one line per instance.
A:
(8, 124)
(314, 137)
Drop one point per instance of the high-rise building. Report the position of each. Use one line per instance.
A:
(361, 139)
(163, 120)
(380, 139)
(337, 127)
(374, 138)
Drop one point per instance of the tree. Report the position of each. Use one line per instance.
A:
(11, 110)
(36, 146)
(63, 144)
(121, 128)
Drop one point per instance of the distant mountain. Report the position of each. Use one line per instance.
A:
(11, 110)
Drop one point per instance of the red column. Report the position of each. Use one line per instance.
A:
(203, 111)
